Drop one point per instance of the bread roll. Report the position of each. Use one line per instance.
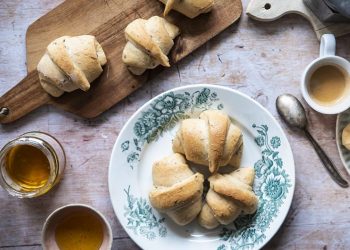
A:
(229, 196)
(71, 63)
(149, 42)
(211, 140)
(190, 8)
(177, 190)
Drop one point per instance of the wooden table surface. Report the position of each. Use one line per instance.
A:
(262, 60)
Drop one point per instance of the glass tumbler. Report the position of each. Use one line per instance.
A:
(47, 149)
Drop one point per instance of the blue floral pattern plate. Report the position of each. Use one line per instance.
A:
(343, 120)
(147, 137)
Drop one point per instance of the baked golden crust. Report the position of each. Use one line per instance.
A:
(136, 33)
(59, 55)
(218, 125)
(229, 196)
(178, 195)
(186, 214)
(211, 140)
(206, 218)
(190, 8)
(149, 42)
(177, 190)
(71, 63)
(236, 157)
(192, 141)
(223, 209)
(83, 51)
(233, 188)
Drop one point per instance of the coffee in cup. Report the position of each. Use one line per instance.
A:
(325, 83)
(328, 85)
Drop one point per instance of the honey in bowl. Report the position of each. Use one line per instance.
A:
(328, 85)
(28, 167)
(78, 227)
(80, 231)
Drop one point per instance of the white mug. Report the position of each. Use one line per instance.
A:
(327, 57)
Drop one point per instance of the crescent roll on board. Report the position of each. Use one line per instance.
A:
(190, 8)
(149, 42)
(212, 140)
(71, 63)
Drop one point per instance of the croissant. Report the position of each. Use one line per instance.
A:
(177, 190)
(190, 8)
(149, 42)
(71, 63)
(229, 195)
(210, 140)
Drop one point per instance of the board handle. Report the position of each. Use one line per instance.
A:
(26, 96)
(270, 10)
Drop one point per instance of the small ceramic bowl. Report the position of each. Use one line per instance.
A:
(48, 231)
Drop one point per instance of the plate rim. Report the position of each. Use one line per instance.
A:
(338, 139)
(210, 86)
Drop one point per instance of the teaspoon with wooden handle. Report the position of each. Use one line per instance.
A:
(293, 113)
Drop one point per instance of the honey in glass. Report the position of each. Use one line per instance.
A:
(28, 167)
(31, 164)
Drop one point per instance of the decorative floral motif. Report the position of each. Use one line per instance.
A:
(271, 186)
(125, 146)
(222, 247)
(140, 129)
(260, 141)
(279, 162)
(272, 183)
(141, 219)
(164, 113)
(274, 187)
(133, 157)
(275, 142)
(149, 119)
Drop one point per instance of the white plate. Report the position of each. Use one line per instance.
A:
(343, 119)
(147, 137)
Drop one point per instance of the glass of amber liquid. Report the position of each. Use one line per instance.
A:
(31, 164)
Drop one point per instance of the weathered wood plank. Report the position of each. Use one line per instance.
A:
(107, 20)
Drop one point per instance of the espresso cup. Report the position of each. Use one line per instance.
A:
(323, 79)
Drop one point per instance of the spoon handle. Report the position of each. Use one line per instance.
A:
(327, 162)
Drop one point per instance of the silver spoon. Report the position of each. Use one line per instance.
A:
(293, 113)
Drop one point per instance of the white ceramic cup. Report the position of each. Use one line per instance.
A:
(327, 57)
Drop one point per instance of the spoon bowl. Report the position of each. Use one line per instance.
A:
(291, 110)
(293, 113)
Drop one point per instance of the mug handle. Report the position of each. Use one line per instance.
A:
(328, 45)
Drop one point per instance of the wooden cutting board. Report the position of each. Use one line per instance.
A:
(270, 10)
(106, 19)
